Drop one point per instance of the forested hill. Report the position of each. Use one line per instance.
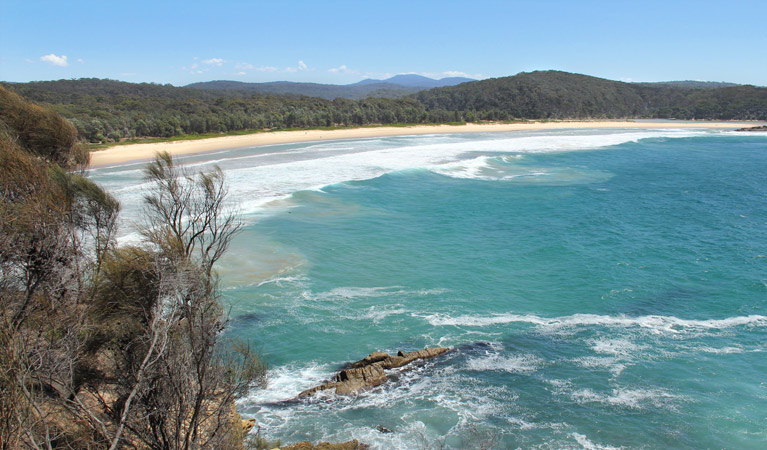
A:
(394, 87)
(326, 91)
(562, 95)
(108, 111)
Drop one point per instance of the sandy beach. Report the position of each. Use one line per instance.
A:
(139, 152)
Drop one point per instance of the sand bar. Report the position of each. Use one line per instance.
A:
(139, 152)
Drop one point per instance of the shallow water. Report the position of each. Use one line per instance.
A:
(604, 289)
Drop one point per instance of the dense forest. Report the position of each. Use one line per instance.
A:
(561, 95)
(109, 111)
(106, 110)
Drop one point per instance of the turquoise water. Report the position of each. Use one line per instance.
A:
(604, 289)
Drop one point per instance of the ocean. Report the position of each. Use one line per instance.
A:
(603, 289)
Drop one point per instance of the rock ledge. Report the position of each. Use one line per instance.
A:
(371, 371)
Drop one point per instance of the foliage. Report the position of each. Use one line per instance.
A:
(107, 347)
(106, 110)
(561, 95)
(111, 111)
(41, 131)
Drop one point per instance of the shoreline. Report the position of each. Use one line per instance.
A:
(140, 152)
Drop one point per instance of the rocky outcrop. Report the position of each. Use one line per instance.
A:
(371, 371)
(760, 128)
(351, 445)
(247, 425)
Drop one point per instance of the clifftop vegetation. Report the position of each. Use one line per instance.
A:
(110, 111)
(105, 347)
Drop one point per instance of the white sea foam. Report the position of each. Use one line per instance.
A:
(288, 381)
(629, 398)
(254, 180)
(614, 365)
(653, 323)
(511, 364)
(587, 444)
(376, 313)
(617, 347)
(726, 350)
(355, 292)
(280, 281)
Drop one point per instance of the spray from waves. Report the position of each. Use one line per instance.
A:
(288, 381)
(653, 323)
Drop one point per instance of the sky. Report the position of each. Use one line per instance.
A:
(341, 42)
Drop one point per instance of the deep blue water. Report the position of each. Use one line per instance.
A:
(602, 289)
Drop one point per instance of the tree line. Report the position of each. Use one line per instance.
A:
(110, 111)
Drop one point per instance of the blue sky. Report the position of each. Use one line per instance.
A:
(345, 41)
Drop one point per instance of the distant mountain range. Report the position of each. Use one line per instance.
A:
(394, 87)
(419, 81)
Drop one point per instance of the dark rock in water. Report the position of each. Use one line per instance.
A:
(370, 371)
(479, 345)
(383, 429)
(760, 128)
(248, 317)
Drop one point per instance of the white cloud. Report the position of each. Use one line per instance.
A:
(266, 69)
(343, 69)
(301, 66)
(244, 66)
(194, 69)
(81, 61)
(456, 73)
(240, 73)
(60, 61)
(214, 62)
(452, 73)
(378, 76)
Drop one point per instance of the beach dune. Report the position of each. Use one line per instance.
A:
(138, 152)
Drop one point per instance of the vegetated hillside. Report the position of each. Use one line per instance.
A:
(107, 110)
(561, 95)
(326, 91)
(394, 87)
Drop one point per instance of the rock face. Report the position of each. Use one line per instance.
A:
(247, 425)
(371, 371)
(351, 445)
